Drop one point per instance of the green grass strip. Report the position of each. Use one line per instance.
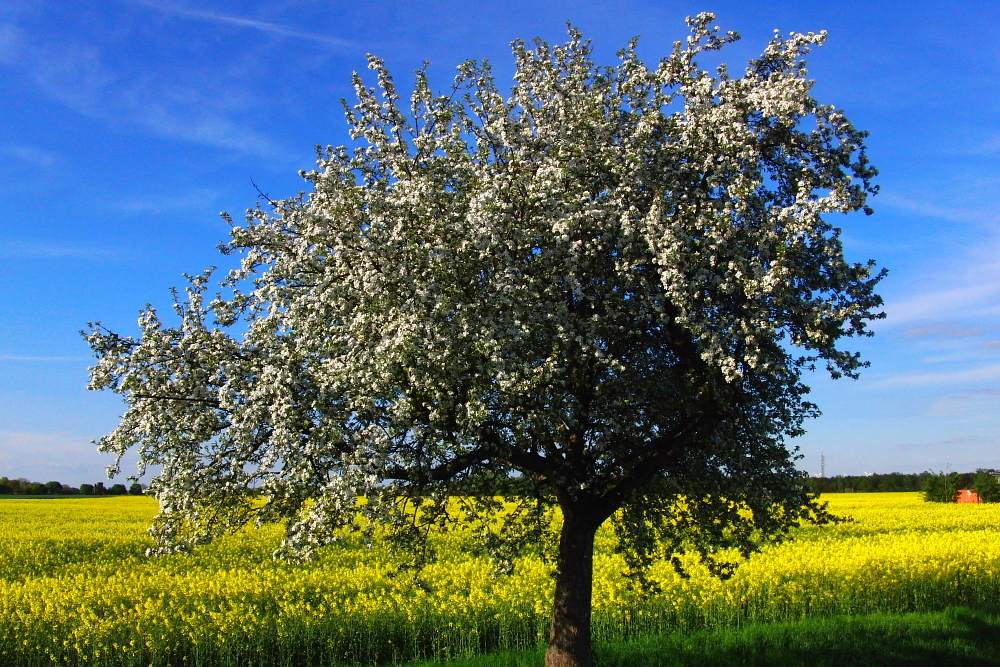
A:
(958, 636)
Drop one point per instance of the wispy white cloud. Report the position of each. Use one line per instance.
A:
(978, 144)
(970, 375)
(200, 199)
(8, 41)
(947, 443)
(949, 212)
(983, 402)
(30, 155)
(975, 299)
(961, 289)
(942, 331)
(15, 249)
(263, 26)
(79, 77)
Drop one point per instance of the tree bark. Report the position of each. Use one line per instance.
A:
(569, 636)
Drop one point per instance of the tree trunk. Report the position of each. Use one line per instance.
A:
(569, 637)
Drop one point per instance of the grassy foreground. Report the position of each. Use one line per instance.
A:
(958, 636)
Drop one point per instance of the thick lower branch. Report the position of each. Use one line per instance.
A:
(206, 401)
(665, 452)
(443, 472)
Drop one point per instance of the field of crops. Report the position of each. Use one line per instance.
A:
(76, 589)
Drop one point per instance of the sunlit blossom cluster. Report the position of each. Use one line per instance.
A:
(598, 289)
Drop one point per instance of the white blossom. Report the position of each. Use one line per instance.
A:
(599, 291)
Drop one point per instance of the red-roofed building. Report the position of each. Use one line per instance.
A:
(967, 496)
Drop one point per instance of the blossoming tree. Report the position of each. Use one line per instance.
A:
(597, 293)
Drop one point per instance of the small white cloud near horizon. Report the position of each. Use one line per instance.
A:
(982, 403)
(961, 454)
(69, 458)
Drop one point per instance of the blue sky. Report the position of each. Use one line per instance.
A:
(127, 126)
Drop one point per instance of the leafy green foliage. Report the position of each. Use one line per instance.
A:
(941, 488)
(986, 485)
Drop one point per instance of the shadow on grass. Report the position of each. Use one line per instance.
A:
(959, 636)
(956, 637)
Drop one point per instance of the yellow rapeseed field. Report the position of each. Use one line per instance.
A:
(75, 588)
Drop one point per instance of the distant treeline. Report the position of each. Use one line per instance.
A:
(893, 481)
(939, 487)
(936, 486)
(25, 487)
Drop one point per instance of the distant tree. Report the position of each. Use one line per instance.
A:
(87, 489)
(5, 489)
(117, 490)
(54, 488)
(99, 489)
(941, 488)
(20, 485)
(895, 481)
(599, 294)
(986, 486)
(135, 489)
(36, 489)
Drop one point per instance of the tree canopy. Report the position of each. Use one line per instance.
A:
(598, 292)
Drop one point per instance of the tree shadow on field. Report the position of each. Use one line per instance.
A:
(959, 637)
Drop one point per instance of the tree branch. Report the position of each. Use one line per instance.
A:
(206, 401)
(666, 451)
